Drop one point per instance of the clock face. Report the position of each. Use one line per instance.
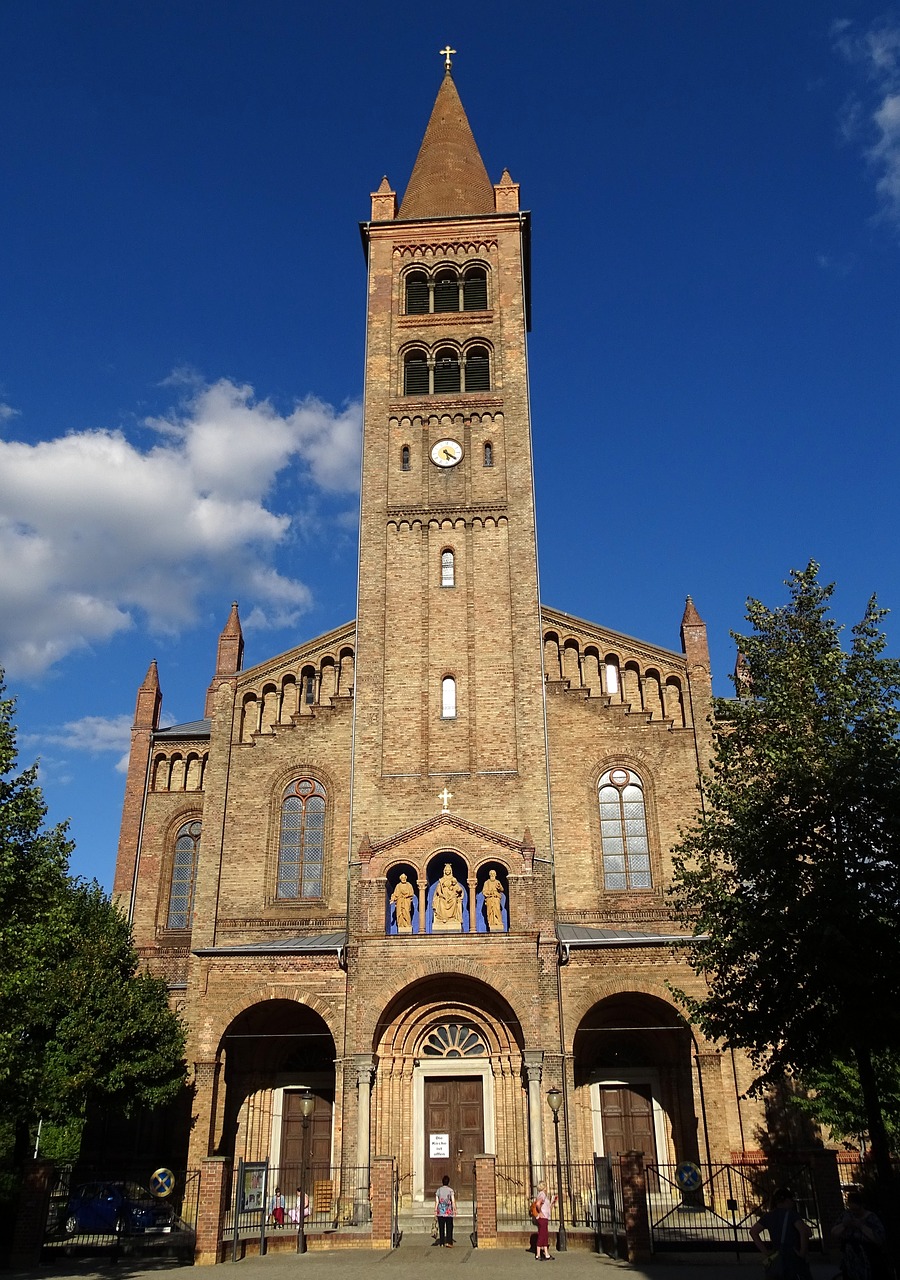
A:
(446, 453)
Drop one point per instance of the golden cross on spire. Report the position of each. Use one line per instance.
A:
(446, 796)
(447, 54)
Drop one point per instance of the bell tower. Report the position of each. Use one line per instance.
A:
(449, 675)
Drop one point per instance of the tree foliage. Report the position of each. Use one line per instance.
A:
(790, 877)
(78, 1023)
(831, 1095)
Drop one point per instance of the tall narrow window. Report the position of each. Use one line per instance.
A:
(301, 849)
(623, 831)
(488, 454)
(446, 371)
(446, 291)
(448, 578)
(415, 374)
(417, 293)
(184, 870)
(404, 458)
(478, 369)
(448, 698)
(475, 290)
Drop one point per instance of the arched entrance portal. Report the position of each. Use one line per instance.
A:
(633, 1055)
(272, 1051)
(449, 1082)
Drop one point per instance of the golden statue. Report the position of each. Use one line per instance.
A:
(494, 897)
(402, 902)
(447, 903)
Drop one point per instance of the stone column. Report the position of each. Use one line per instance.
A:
(473, 891)
(634, 1207)
(206, 1105)
(365, 1072)
(423, 899)
(533, 1060)
(486, 1201)
(212, 1206)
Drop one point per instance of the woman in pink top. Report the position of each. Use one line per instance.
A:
(545, 1205)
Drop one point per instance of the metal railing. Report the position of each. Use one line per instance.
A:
(122, 1212)
(715, 1207)
(268, 1201)
(589, 1195)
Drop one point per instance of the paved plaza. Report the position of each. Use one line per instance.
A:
(414, 1259)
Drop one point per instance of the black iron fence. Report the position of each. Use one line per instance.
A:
(589, 1197)
(272, 1200)
(696, 1207)
(118, 1212)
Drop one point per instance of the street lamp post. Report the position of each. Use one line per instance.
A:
(554, 1102)
(307, 1106)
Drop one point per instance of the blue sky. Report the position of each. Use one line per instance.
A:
(715, 189)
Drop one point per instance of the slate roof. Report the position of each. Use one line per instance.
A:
(193, 729)
(303, 945)
(582, 936)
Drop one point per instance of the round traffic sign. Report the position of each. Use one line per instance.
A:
(162, 1183)
(688, 1175)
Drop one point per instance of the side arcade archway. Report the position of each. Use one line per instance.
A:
(271, 1051)
(633, 1070)
(448, 1083)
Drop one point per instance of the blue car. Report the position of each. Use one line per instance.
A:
(115, 1208)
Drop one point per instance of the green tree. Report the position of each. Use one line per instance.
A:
(79, 1024)
(832, 1096)
(790, 876)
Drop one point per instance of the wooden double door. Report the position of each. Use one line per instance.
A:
(454, 1131)
(318, 1151)
(626, 1112)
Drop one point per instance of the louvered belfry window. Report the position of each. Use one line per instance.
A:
(475, 290)
(446, 291)
(301, 849)
(623, 831)
(415, 374)
(448, 575)
(446, 371)
(184, 871)
(478, 369)
(417, 293)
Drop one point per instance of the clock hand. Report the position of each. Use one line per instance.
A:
(448, 453)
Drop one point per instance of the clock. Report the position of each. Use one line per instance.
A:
(446, 453)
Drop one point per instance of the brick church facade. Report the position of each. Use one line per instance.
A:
(418, 865)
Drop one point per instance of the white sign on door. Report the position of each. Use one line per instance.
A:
(439, 1146)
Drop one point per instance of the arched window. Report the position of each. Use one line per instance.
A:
(623, 831)
(417, 293)
(404, 458)
(478, 369)
(446, 371)
(446, 291)
(448, 698)
(488, 454)
(415, 374)
(301, 848)
(184, 870)
(475, 290)
(448, 578)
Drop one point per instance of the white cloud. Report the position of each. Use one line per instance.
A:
(7, 412)
(873, 116)
(97, 534)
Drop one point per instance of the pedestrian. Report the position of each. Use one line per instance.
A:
(788, 1237)
(543, 1207)
(276, 1208)
(861, 1236)
(445, 1212)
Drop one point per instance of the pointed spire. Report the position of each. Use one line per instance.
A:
(229, 655)
(384, 202)
(449, 177)
(149, 701)
(691, 616)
